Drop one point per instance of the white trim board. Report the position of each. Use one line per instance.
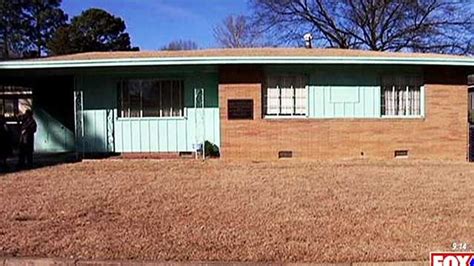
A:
(176, 61)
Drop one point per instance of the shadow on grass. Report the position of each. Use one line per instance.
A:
(40, 160)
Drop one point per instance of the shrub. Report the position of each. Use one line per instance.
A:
(211, 149)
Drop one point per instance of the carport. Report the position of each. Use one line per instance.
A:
(51, 97)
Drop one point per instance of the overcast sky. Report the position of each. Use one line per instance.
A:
(154, 23)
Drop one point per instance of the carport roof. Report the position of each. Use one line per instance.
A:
(237, 56)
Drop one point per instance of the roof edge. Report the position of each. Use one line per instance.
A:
(223, 60)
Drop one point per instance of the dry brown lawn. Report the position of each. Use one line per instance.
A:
(188, 210)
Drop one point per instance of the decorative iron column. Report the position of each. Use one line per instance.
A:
(199, 123)
(79, 123)
(110, 131)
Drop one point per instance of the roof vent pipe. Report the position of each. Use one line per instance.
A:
(308, 40)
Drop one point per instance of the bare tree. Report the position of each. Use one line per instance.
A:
(444, 26)
(180, 45)
(237, 32)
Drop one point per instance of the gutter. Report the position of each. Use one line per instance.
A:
(227, 60)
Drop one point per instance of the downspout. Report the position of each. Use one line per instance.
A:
(470, 137)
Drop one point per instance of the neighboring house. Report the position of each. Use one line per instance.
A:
(255, 104)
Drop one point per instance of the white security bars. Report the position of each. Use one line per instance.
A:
(151, 98)
(286, 95)
(401, 96)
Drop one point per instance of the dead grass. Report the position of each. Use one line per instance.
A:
(281, 211)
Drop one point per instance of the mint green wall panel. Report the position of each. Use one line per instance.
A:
(94, 135)
(365, 104)
(147, 134)
(343, 93)
(54, 114)
(145, 143)
(153, 135)
(136, 135)
(172, 135)
(98, 98)
(163, 136)
(126, 130)
(52, 135)
(181, 134)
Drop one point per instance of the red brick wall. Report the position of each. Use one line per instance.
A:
(442, 134)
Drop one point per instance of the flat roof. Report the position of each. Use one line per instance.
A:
(237, 56)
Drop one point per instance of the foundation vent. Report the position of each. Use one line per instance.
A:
(285, 154)
(186, 154)
(401, 154)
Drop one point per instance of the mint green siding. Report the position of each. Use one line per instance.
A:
(173, 134)
(98, 97)
(54, 114)
(52, 135)
(164, 135)
(105, 131)
(343, 94)
(344, 102)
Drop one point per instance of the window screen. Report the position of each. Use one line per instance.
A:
(151, 98)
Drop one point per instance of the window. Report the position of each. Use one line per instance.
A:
(286, 95)
(14, 100)
(401, 96)
(151, 98)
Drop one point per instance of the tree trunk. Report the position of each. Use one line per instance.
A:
(6, 54)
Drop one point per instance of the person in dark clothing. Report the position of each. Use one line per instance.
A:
(27, 137)
(5, 144)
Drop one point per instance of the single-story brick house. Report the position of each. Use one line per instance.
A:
(255, 104)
